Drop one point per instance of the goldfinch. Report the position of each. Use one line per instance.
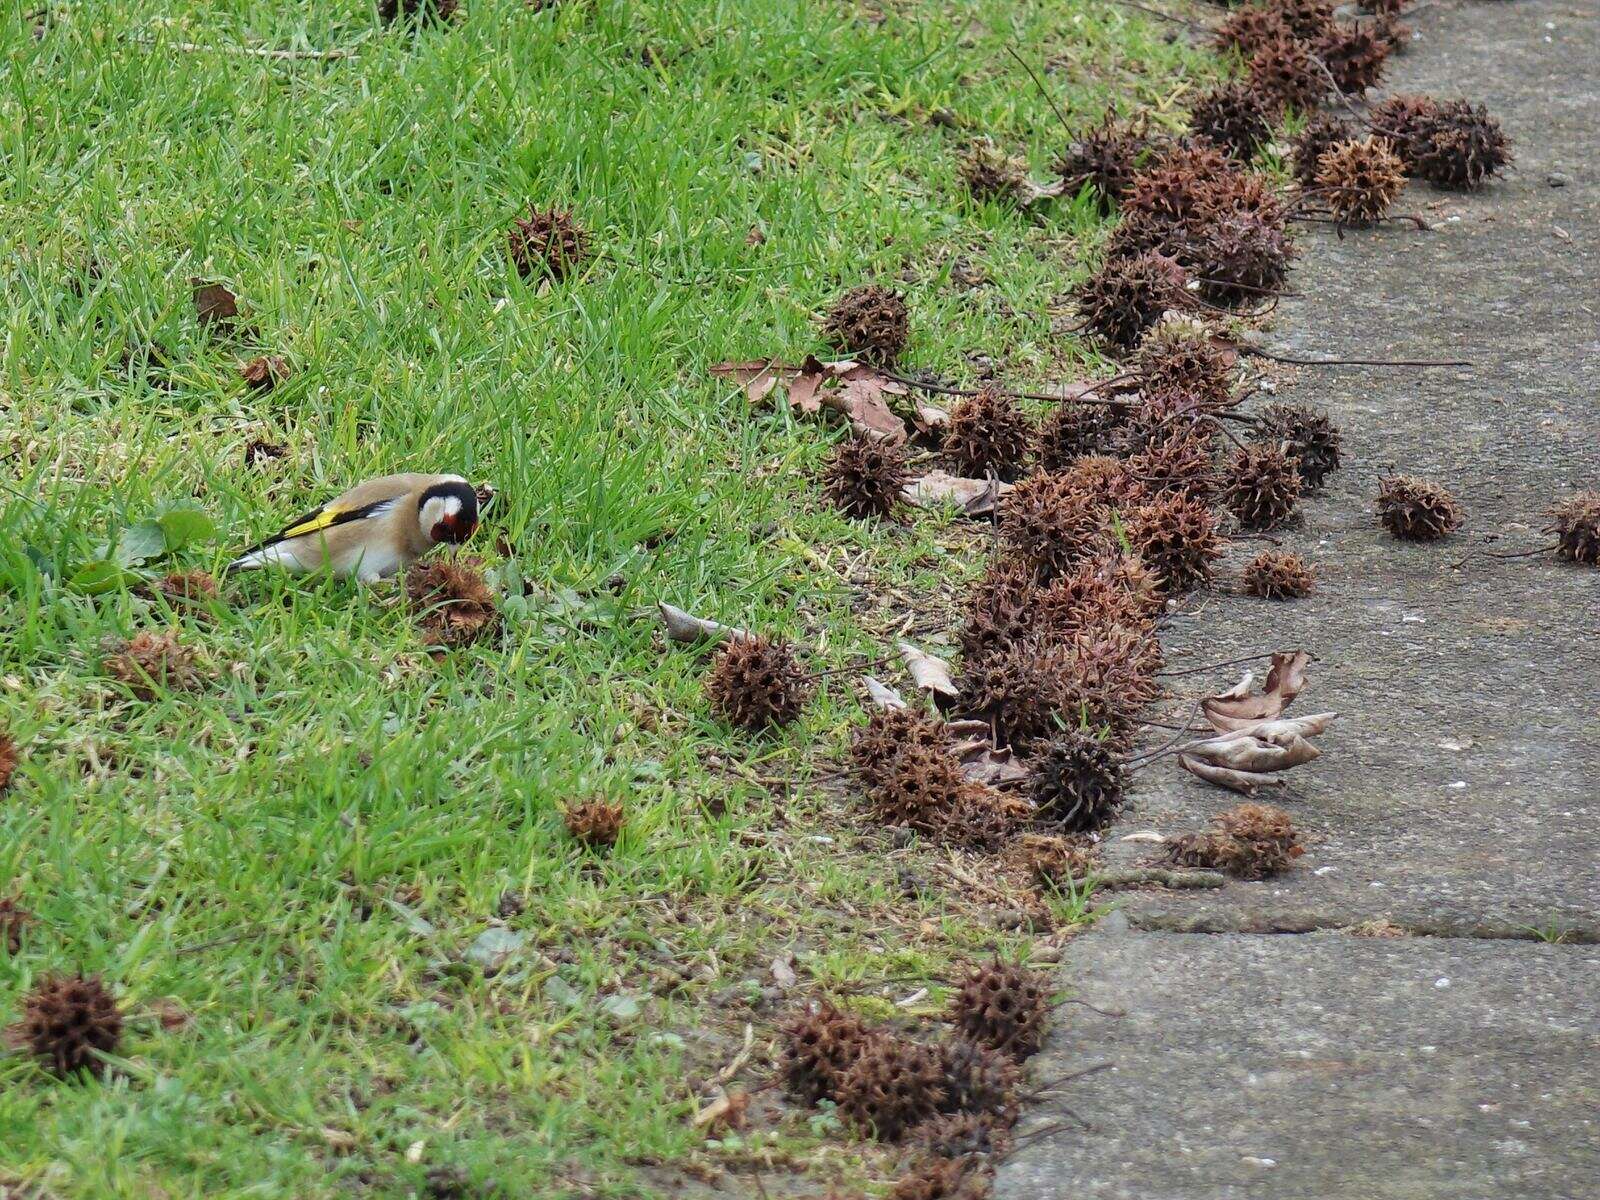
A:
(375, 530)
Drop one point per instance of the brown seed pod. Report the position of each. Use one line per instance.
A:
(548, 243)
(989, 173)
(865, 476)
(1078, 783)
(756, 683)
(1382, 7)
(1089, 597)
(1263, 486)
(1050, 524)
(962, 1135)
(1241, 260)
(68, 1021)
(1459, 146)
(935, 1178)
(1058, 862)
(1321, 134)
(979, 1079)
(1019, 689)
(1126, 296)
(451, 601)
(596, 822)
(988, 435)
(820, 1046)
(1399, 119)
(1276, 575)
(1241, 194)
(1358, 181)
(1286, 73)
(1180, 356)
(870, 322)
(1234, 117)
(1576, 522)
(1250, 27)
(9, 756)
(265, 372)
(1105, 159)
(1178, 460)
(1249, 841)
(152, 663)
(1355, 55)
(1000, 608)
(1179, 185)
(435, 12)
(13, 920)
(888, 733)
(1309, 19)
(1308, 435)
(1107, 679)
(186, 587)
(1139, 232)
(921, 788)
(892, 1087)
(1176, 535)
(1071, 431)
(1003, 1006)
(1105, 481)
(1414, 510)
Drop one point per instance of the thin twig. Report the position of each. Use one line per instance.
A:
(942, 389)
(1156, 12)
(1491, 554)
(1257, 352)
(1232, 662)
(253, 51)
(1039, 83)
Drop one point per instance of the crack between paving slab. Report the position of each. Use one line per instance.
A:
(1292, 923)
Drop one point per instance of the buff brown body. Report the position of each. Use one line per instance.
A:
(375, 530)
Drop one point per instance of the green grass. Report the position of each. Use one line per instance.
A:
(300, 856)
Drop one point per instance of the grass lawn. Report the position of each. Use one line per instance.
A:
(332, 887)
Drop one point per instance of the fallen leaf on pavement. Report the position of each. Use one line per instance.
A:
(1240, 706)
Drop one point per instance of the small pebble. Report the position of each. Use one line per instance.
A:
(1557, 179)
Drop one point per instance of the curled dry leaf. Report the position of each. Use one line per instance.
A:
(214, 304)
(1240, 707)
(975, 497)
(853, 390)
(685, 627)
(881, 694)
(981, 760)
(929, 673)
(1242, 782)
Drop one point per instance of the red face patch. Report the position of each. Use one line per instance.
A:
(454, 529)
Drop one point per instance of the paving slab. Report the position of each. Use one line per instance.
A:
(1320, 1066)
(1459, 791)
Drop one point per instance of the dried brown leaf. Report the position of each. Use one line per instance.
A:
(685, 627)
(975, 497)
(929, 673)
(1240, 706)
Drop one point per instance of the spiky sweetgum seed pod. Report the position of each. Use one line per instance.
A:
(1399, 119)
(894, 1086)
(978, 1079)
(1108, 678)
(1286, 72)
(1263, 487)
(988, 435)
(1175, 186)
(1180, 356)
(962, 1135)
(596, 823)
(1309, 19)
(1248, 841)
(1059, 862)
(991, 174)
(150, 663)
(1003, 1006)
(1105, 159)
(1276, 575)
(1459, 146)
(865, 476)
(1078, 783)
(452, 601)
(888, 733)
(1088, 597)
(937, 1178)
(1176, 535)
(1051, 524)
(1576, 522)
(1179, 459)
(13, 920)
(870, 322)
(1355, 55)
(1321, 134)
(549, 241)
(1000, 608)
(1249, 28)
(9, 755)
(187, 586)
(1308, 435)
(1240, 194)
(1071, 431)
(1105, 481)
(66, 1019)
(1018, 689)
(756, 683)
(921, 788)
(819, 1047)
(1358, 181)
(1242, 260)
(1234, 117)
(1415, 510)
(1126, 296)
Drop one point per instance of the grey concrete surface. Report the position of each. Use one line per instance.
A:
(1319, 1067)
(1460, 790)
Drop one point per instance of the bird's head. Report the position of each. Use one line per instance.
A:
(448, 511)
